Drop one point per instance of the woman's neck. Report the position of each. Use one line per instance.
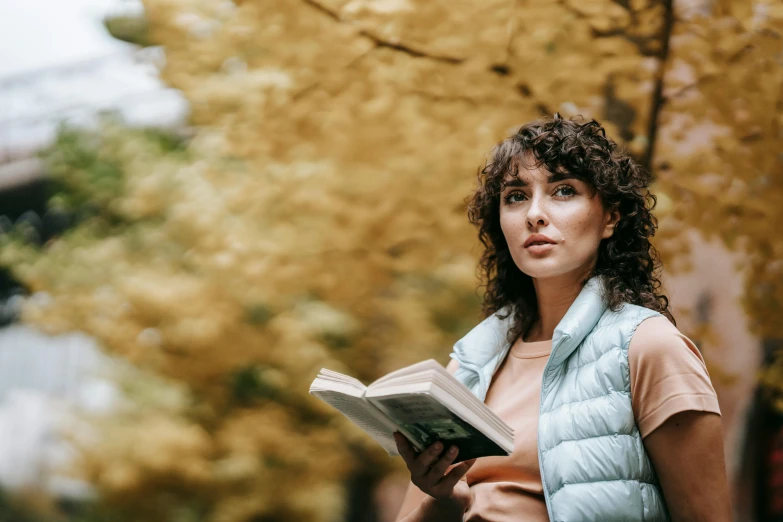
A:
(554, 297)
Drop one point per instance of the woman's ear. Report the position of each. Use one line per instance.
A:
(612, 218)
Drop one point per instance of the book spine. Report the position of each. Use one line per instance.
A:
(378, 405)
(381, 412)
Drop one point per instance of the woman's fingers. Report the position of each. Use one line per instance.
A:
(405, 448)
(428, 468)
(439, 468)
(457, 472)
(427, 458)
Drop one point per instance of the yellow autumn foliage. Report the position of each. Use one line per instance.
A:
(317, 218)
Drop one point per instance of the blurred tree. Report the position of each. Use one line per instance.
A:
(317, 218)
(718, 152)
(12, 509)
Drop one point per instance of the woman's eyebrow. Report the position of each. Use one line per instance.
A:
(515, 182)
(560, 176)
(552, 178)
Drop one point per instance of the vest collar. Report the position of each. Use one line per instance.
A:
(579, 320)
(487, 340)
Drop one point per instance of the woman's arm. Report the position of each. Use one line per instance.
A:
(420, 507)
(413, 499)
(687, 453)
(677, 411)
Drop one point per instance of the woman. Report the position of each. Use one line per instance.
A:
(614, 415)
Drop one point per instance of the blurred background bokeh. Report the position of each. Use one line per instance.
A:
(204, 202)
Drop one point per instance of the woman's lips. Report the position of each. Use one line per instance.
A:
(540, 248)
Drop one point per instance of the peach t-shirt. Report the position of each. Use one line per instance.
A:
(668, 376)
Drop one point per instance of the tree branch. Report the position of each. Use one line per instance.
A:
(384, 42)
(657, 97)
(440, 97)
(317, 84)
(641, 42)
(686, 88)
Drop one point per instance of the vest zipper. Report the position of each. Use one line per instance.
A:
(538, 430)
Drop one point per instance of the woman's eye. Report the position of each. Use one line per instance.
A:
(565, 190)
(562, 191)
(510, 197)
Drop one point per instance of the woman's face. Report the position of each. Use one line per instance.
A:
(565, 212)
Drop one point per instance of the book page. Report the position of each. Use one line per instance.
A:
(427, 420)
(423, 366)
(329, 375)
(364, 415)
(429, 377)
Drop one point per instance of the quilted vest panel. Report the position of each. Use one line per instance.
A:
(592, 460)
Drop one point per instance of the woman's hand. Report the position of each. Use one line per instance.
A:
(429, 472)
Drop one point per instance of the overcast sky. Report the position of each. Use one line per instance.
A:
(35, 34)
(41, 41)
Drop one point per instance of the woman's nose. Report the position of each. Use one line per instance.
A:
(536, 214)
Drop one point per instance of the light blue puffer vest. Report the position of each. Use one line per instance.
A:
(593, 464)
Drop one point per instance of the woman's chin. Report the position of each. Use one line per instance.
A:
(547, 269)
(540, 272)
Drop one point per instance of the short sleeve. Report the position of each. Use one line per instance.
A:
(668, 375)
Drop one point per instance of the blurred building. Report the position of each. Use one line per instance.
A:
(710, 296)
(43, 381)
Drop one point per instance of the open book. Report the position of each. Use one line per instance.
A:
(425, 403)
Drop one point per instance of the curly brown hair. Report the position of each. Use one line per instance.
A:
(627, 260)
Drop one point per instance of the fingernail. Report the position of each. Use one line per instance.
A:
(453, 450)
(438, 446)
